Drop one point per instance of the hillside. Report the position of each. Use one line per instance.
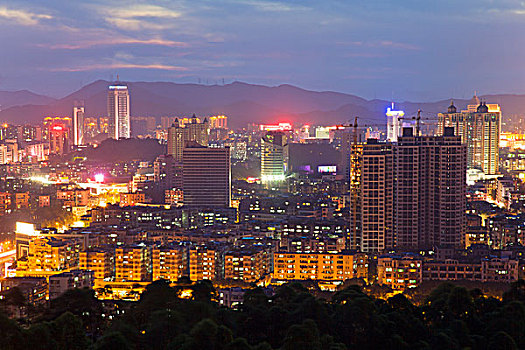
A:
(243, 103)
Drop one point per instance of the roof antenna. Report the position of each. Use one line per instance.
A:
(118, 80)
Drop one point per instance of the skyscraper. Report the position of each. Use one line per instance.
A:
(118, 111)
(409, 195)
(393, 123)
(273, 156)
(78, 125)
(430, 190)
(206, 177)
(179, 135)
(479, 127)
(376, 196)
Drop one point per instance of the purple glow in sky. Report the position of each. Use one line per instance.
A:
(409, 50)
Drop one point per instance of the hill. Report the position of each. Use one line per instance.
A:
(243, 103)
(10, 99)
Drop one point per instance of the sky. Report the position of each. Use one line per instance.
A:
(403, 50)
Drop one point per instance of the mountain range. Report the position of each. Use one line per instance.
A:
(243, 103)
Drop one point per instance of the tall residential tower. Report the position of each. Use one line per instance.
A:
(479, 127)
(118, 112)
(78, 125)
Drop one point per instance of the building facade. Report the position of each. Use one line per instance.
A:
(118, 112)
(206, 176)
(430, 191)
(480, 129)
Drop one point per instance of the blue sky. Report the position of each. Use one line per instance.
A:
(409, 50)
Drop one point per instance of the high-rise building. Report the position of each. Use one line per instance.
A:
(78, 125)
(430, 190)
(179, 134)
(376, 196)
(479, 127)
(118, 112)
(393, 123)
(59, 141)
(273, 157)
(206, 176)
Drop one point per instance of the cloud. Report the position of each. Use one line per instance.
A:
(272, 6)
(22, 17)
(381, 43)
(398, 45)
(113, 42)
(139, 17)
(141, 11)
(94, 67)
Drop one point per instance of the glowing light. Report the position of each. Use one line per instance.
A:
(186, 294)
(276, 127)
(272, 178)
(392, 113)
(99, 177)
(79, 224)
(58, 128)
(251, 179)
(327, 168)
(26, 229)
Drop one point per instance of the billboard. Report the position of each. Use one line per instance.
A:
(327, 169)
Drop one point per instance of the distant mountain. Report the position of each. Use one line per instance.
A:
(243, 103)
(10, 99)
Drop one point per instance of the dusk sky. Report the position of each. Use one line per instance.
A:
(408, 50)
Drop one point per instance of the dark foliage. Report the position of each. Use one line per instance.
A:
(451, 318)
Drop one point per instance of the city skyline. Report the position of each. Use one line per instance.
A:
(201, 184)
(370, 50)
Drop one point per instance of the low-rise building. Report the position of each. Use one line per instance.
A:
(132, 263)
(59, 284)
(169, 262)
(131, 199)
(203, 262)
(248, 264)
(399, 271)
(313, 266)
(101, 262)
(34, 289)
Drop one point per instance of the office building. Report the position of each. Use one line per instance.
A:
(167, 173)
(206, 176)
(430, 191)
(78, 125)
(179, 134)
(479, 127)
(273, 157)
(59, 138)
(118, 112)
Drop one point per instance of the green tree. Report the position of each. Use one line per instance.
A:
(69, 333)
(303, 336)
(112, 341)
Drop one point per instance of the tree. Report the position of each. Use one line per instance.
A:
(113, 341)
(69, 333)
(302, 337)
